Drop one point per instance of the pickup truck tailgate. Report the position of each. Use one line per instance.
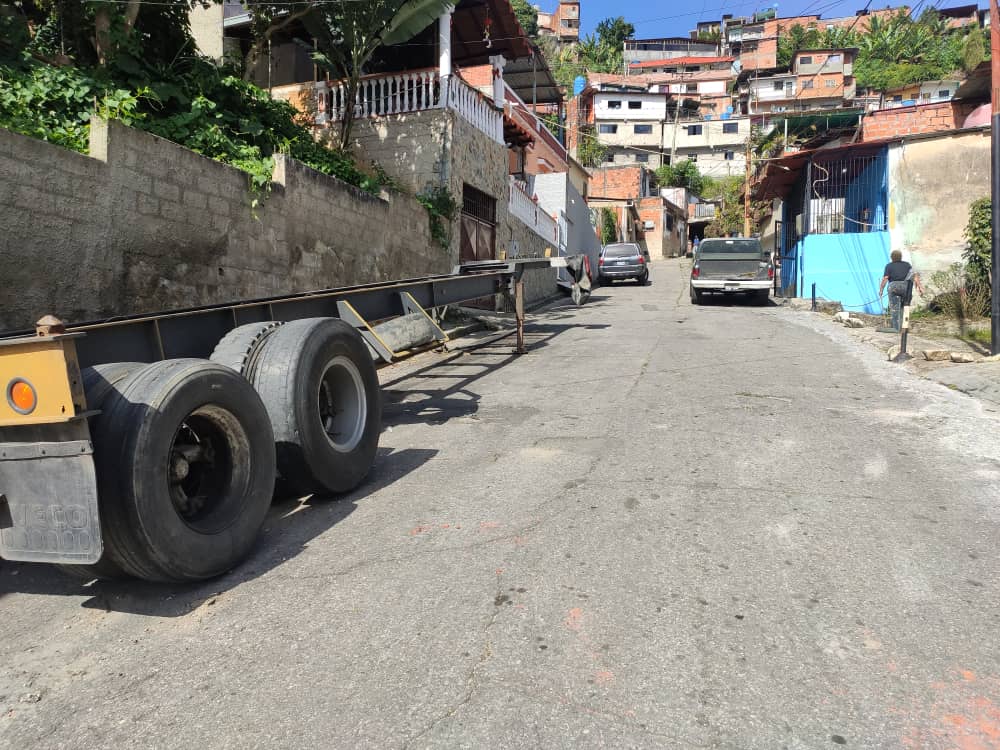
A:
(737, 267)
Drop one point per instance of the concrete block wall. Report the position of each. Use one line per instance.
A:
(432, 148)
(143, 224)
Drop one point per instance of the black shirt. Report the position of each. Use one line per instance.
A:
(898, 270)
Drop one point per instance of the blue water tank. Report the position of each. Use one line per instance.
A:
(579, 84)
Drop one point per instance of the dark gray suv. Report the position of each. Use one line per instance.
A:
(624, 260)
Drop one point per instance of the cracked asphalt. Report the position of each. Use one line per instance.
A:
(665, 526)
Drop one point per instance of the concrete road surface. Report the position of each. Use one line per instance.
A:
(666, 526)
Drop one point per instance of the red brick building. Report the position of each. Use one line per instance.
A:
(564, 23)
(919, 118)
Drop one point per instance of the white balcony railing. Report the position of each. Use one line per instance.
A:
(475, 108)
(524, 208)
(402, 93)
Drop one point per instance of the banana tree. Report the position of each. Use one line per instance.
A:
(348, 33)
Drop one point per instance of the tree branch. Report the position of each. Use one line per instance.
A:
(251, 59)
(131, 14)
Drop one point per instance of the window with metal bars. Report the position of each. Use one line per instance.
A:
(848, 195)
(478, 204)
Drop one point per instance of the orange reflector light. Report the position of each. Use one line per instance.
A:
(21, 396)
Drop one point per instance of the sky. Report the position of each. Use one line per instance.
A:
(657, 18)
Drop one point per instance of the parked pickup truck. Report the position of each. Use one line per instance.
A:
(731, 266)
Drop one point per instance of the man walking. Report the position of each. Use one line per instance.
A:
(901, 278)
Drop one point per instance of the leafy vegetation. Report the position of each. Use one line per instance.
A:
(730, 192)
(609, 227)
(527, 16)
(895, 51)
(979, 232)
(600, 52)
(147, 76)
(590, 152)
(683, 174)
(959, 295)
(441, 209)
(729, 219)
(347, 33)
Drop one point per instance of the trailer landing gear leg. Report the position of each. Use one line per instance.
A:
(519, 313)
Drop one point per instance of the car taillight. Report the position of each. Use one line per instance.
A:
(694, 272)
(600, 261)
(641, 260)
(770, 272)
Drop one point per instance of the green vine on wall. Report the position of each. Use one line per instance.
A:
(441, 211)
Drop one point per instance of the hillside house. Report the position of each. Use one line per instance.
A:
(563, 23)
(421, 121)
(844, 209)
(817, 79)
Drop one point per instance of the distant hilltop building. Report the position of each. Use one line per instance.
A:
(564, 23)
(639, 51)
(754, 39)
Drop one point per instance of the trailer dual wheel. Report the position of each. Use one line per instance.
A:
(185, 468)
(238, 349)
(318, 382)
(99, 382)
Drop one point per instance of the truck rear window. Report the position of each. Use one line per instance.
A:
(749, 247)
(621, 251)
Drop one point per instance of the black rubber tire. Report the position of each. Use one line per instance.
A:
(641, 281)
(238, 349)
(762, 297)
(695, 296)
(98, 383)
(290, 377)
(144, 530)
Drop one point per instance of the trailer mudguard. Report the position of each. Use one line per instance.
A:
(48, 484)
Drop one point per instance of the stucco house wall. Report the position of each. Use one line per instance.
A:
(931, 184)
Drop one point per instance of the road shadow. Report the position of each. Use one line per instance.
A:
(424, 396)
(290, 525)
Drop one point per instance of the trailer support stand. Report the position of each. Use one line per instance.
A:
(519, 313)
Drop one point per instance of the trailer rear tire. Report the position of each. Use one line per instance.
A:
(185, 470)
(318, 382)
(238, 349)
(99, 382)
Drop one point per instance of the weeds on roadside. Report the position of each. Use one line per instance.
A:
(959, 296)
